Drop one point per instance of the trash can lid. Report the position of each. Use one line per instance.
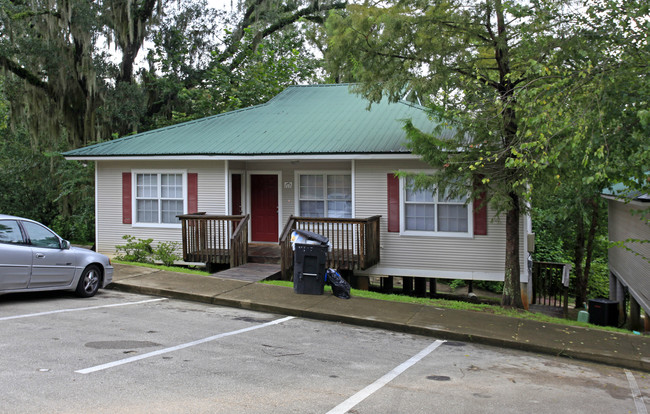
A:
(310, 235)
(602, 301)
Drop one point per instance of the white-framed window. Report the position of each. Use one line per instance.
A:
(430, 212)
(159, 197)
(324, 195)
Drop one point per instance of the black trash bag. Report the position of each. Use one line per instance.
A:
(340, 287)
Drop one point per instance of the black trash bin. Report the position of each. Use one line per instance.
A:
(309, 262)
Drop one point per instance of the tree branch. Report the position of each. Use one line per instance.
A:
(28, 76)
(278, 25)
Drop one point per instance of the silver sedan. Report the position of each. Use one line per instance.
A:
(34, 258)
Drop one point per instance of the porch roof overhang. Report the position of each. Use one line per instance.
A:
(270, 157)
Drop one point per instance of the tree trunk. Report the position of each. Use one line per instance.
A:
(581, 295)
(511, 284)
(578, 256)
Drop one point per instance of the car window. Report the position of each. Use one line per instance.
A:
(10, 232)
(41, 236)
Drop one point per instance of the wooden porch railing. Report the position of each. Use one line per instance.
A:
(215, 239)
(548, 289)
(355, 242)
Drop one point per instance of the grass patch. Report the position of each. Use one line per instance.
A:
(460, 305)
(177, 269)
(440, 303)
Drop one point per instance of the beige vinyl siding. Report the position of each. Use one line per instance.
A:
(109, 227)
(633, 269)
(479, 257)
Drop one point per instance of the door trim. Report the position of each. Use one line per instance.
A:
(248, 196)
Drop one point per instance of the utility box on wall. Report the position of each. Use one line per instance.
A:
(530, 241)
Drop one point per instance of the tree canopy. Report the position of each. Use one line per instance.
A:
(65, 86)
(515, 79)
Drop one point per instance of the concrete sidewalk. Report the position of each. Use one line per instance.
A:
(624, 350)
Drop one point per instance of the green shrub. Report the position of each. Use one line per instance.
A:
(490, 286)
(456, 283)
(135, 250)
(166, 253)
(141, 251)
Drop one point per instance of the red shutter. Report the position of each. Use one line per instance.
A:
(393, 202)
(480, 212)
(192, 193)
(126, 198)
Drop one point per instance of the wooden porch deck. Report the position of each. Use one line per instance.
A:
(223, 240)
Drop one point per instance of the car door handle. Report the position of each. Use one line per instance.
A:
(40, 255)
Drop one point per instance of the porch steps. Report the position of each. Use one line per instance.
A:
(250, 272)
(264, 253)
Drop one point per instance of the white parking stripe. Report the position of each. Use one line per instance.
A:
(636, 394)
(348, 404)
(29, 315)
(178, 347)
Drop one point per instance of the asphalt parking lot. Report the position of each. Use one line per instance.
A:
(121, 352)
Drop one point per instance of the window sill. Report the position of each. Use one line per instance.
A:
(457, 235)
(157, 225)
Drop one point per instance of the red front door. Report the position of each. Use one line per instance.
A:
(264, 208)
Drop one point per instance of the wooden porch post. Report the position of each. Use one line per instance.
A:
(433, 288)
(420, 287)
(407, 285)
(387, 284)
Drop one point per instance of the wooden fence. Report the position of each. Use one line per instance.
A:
(548, 289)
(215, 239)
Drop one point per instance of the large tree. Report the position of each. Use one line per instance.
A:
(531, 88)
(52, 52)
(71, 85)
(474, 63)
(592, 110)
(258, 50)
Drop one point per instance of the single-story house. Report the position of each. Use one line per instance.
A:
(629, 267)
(312, 151)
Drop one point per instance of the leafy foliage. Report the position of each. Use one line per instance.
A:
(166, 253)
(141, 251)
(26, 184)
(540, 95)
(471, 63)
(62, 87)
(135, 250)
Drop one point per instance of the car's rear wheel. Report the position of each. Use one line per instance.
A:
(89, 282)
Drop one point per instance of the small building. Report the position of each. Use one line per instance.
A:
(313, 157)
(629, 263)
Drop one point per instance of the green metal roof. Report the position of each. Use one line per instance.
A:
(620, 190)
(317, 119)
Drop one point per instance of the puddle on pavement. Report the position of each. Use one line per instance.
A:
(439, 378)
